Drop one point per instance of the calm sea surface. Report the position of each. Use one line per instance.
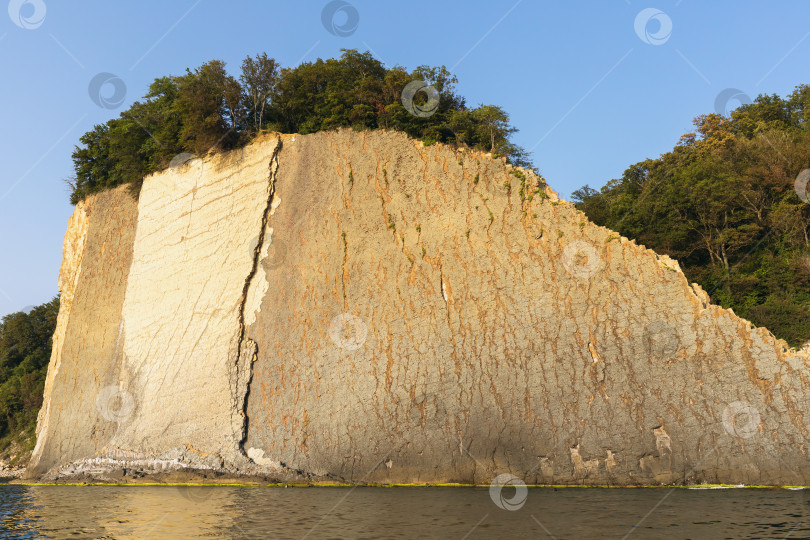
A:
(262, 512)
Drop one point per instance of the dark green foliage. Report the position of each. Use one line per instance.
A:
(723, 202)
(25, 349)
(207, 110)
(210, 108)
(259, 78)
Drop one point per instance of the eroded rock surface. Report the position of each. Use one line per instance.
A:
(87, 344)
(360, 307)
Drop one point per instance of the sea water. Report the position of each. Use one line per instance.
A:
(410, 512)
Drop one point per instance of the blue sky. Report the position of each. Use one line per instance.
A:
(590, 90)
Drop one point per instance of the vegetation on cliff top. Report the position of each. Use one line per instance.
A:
(725, 204)
(25, 349)
(722, 201)
(206, 110)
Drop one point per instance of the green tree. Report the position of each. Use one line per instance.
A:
(493, 126)
(25, 349)
(210, 107)
(723, 203)
(259, 78)
(208, 110)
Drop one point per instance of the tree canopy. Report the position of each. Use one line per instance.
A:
(208, 110)
(724, 203)
(25, 349)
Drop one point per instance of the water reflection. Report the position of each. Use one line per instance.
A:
(259, 512)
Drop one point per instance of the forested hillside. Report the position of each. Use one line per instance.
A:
(730, 203)
(207, 109)
(25, 348)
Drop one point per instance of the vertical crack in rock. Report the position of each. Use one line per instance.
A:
(583, 374)
(246, 349)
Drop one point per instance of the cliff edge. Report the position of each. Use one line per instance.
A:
(362, 308)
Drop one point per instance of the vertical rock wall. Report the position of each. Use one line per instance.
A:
(362, 307)
(148, 364)
(193, 258)
(428, 319)
(87, 344)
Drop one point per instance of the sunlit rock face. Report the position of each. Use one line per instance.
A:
(360, 307)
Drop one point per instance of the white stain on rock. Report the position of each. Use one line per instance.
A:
(258, 457)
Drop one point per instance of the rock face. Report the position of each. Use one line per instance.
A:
(86, 355)
(360, 307)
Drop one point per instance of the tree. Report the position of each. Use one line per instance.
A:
(723, 203)
(209, 104)
(207, 110)
(583, 194)
(493, 126)
(259, 78)
(92, 162)
(25, 349)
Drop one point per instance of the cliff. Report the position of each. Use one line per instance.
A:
(359, 307)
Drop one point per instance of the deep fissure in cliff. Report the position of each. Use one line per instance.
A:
(241, 408)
